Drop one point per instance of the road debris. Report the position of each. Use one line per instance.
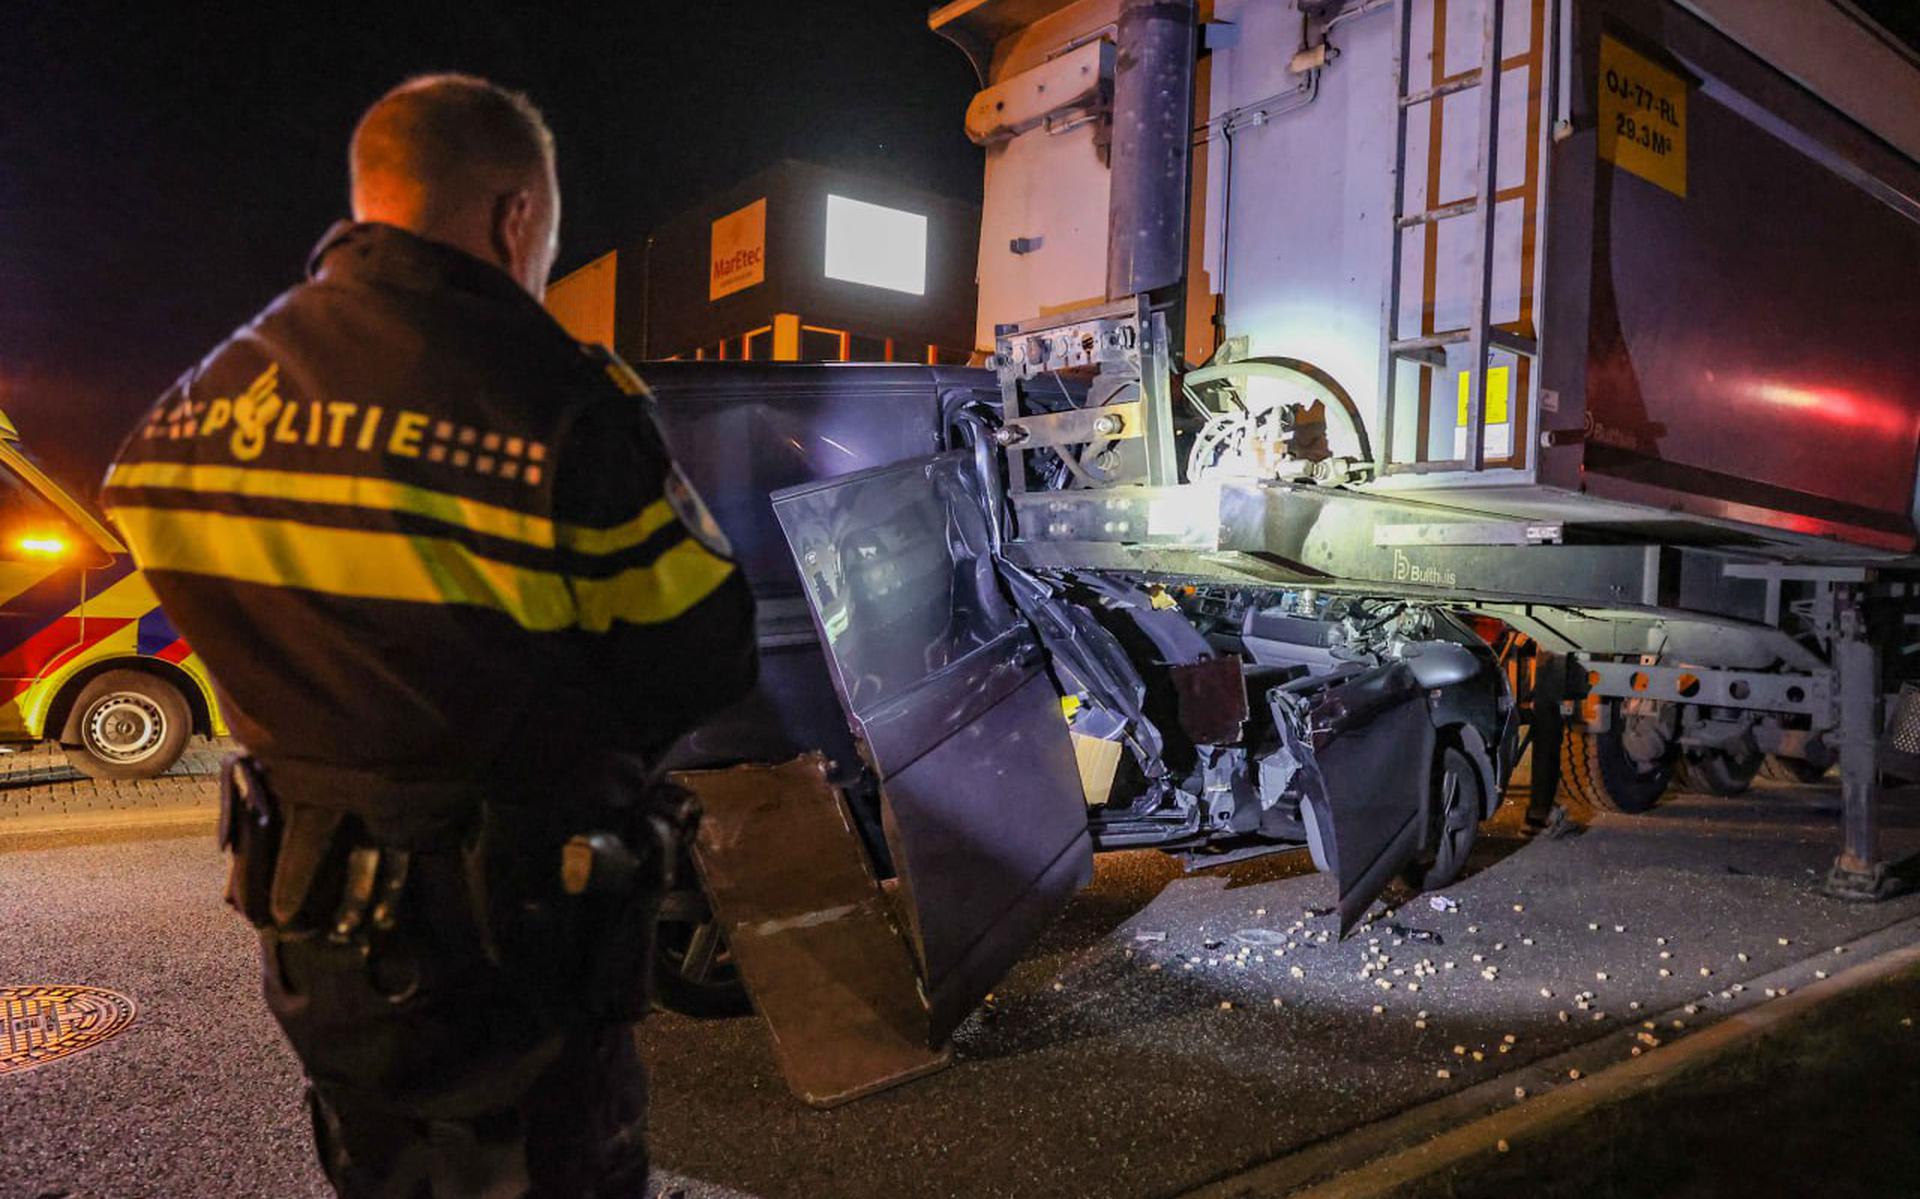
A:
(1442, 903)
(1265, 938)
(1146, 936)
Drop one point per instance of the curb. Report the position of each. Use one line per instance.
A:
(1380, 1158)
(46, 832)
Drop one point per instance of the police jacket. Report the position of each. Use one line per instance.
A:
(428, 545)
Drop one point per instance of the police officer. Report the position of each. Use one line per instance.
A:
(457, 599)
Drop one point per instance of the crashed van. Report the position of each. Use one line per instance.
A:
(946, 729)
(1364, 382)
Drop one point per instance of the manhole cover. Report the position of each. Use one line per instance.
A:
(41, 1024)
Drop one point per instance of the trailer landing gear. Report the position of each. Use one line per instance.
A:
(1859, 875)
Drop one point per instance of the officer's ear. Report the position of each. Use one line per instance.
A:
(515, 231)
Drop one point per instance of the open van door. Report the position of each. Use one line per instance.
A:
(945, 685)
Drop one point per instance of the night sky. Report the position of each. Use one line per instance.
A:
(164, 168)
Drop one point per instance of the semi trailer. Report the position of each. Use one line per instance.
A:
(1377, 388)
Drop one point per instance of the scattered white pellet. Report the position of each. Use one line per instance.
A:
(1601, 975)
(1741, 956)
(1574, 1075)
(1479, 1056)
(1784, 941)
(1226, 1005)
(1377, 1009)
(1691, 1009)
(1545, 993)
(1519, 1092)
(1499, 945)
(1665, 973)
(1564, 1017)
(1059, 986)
(1666, 955)
(1502, 1145)
(1705, 973)
(1419, 1023)
(1443, 1074)
(1460, 1051)
(1297, 972)
(1819, 973)
(1619, 928)
(1633, 1005)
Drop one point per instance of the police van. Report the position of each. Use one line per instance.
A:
(86, 656)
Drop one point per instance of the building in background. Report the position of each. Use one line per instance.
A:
(797, 264)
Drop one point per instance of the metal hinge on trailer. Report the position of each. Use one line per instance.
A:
(1429, 350)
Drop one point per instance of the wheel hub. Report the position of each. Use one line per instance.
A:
(125, 727)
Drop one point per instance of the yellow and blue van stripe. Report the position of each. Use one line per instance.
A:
(55, 629)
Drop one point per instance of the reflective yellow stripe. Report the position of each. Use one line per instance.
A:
(654, 517)
(384, 495)
(356, 563)
(651, 594)
(350, 490)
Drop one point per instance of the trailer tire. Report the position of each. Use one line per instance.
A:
(129, 725)
(1455, 818)
(1716, 772)
(711, 992)
(1793, 770)
(1598, 773)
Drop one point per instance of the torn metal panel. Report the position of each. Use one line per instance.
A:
(1365, 795)
(945, 683)
(823, 958)
(1213, 699)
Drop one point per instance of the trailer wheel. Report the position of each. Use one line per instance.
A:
(693, 974)
(1597, 771)
(128, 725)
(1717, 772)
(1793, 770)
(1455, 820)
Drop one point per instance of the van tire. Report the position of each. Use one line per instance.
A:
(127, 724)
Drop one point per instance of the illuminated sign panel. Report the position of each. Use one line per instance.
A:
(739, 250)
(877, 246)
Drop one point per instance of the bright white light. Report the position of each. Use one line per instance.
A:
(880, 247)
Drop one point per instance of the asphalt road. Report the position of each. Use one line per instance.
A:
(1112, 1062)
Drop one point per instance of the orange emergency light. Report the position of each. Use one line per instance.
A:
(42, 546)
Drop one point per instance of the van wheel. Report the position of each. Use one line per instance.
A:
(127, 724)
(1455, 819)
(693, 972)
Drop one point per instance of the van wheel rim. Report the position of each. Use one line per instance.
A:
(125, 727)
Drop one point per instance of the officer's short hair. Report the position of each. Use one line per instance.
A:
(451, 136)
